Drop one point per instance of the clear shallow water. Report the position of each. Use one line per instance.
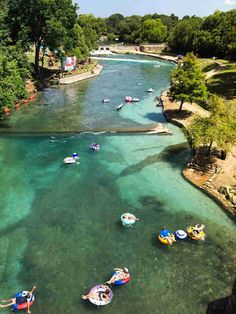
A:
(79, 107)
(60, 225)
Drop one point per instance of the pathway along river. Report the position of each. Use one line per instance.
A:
(60, 226)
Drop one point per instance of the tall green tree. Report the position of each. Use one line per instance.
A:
(11, 81)
(41, 22)
(4, 30)
(92, 28)
(188, 82)
(112, 21)
(219, 128)
(202, 132)
(75, 44)
(129, 28)
(153, 31)
(181, 37)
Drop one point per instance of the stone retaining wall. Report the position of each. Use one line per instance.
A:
(80, 77)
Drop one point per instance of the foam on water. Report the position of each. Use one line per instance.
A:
(156, 62)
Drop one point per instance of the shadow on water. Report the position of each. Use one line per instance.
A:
(154, 116)
(9, 229)
(175, 155)
(152, 203)
(147, 148)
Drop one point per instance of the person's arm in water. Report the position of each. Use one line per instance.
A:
(90, 295)
(12, 301)
(8, 300)
(28, 299)
(34, 287)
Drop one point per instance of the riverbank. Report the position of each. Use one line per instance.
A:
(208, 177)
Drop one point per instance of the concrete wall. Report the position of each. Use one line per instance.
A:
(80, 77)
(158, 48)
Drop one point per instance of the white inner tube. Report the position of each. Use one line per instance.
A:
(98, 291)
(128, 219)
(181, 234)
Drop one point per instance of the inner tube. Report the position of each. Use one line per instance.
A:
(128, 99)
(24, 305)
(122, 281)
(181, 234)
(70, 160)
(162, 237)
(127, 219)
(95, 146)
(198, 237)
(97, 291)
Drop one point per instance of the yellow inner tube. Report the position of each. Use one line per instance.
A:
(194, 236)
(165, 241)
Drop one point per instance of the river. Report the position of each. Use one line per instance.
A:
(60, 226)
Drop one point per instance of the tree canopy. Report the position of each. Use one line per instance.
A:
(218, 128)
(153, 31)
(188, 82)
(11, 81)
(214, 35)
(41, 22)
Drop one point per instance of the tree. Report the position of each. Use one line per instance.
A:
(153, 31)
(214, 35)
(92, 28)
(188, 82)
(202, 131)
(75, 44)
(222, 27)
(112, 21)
(129, 28)
(218, 128)
(11, 81)
(181, 37)
(224, 119)
(96, 23)
(4, 30)
(41, 22)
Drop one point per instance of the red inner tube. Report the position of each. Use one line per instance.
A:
(24, 306)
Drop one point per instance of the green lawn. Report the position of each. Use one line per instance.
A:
(208, 64)
(223, 83)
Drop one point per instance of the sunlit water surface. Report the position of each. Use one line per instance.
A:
(60, 226)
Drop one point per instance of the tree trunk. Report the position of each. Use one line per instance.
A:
(209, 148)
(223, 154)
(36, 59)
(181, 105)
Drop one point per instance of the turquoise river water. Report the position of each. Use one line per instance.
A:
(60, 225)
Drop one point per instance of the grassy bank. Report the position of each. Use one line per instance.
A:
(223, 79)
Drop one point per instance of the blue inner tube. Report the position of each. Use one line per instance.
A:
(120, 282)
(165, 233)
(181, 234)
